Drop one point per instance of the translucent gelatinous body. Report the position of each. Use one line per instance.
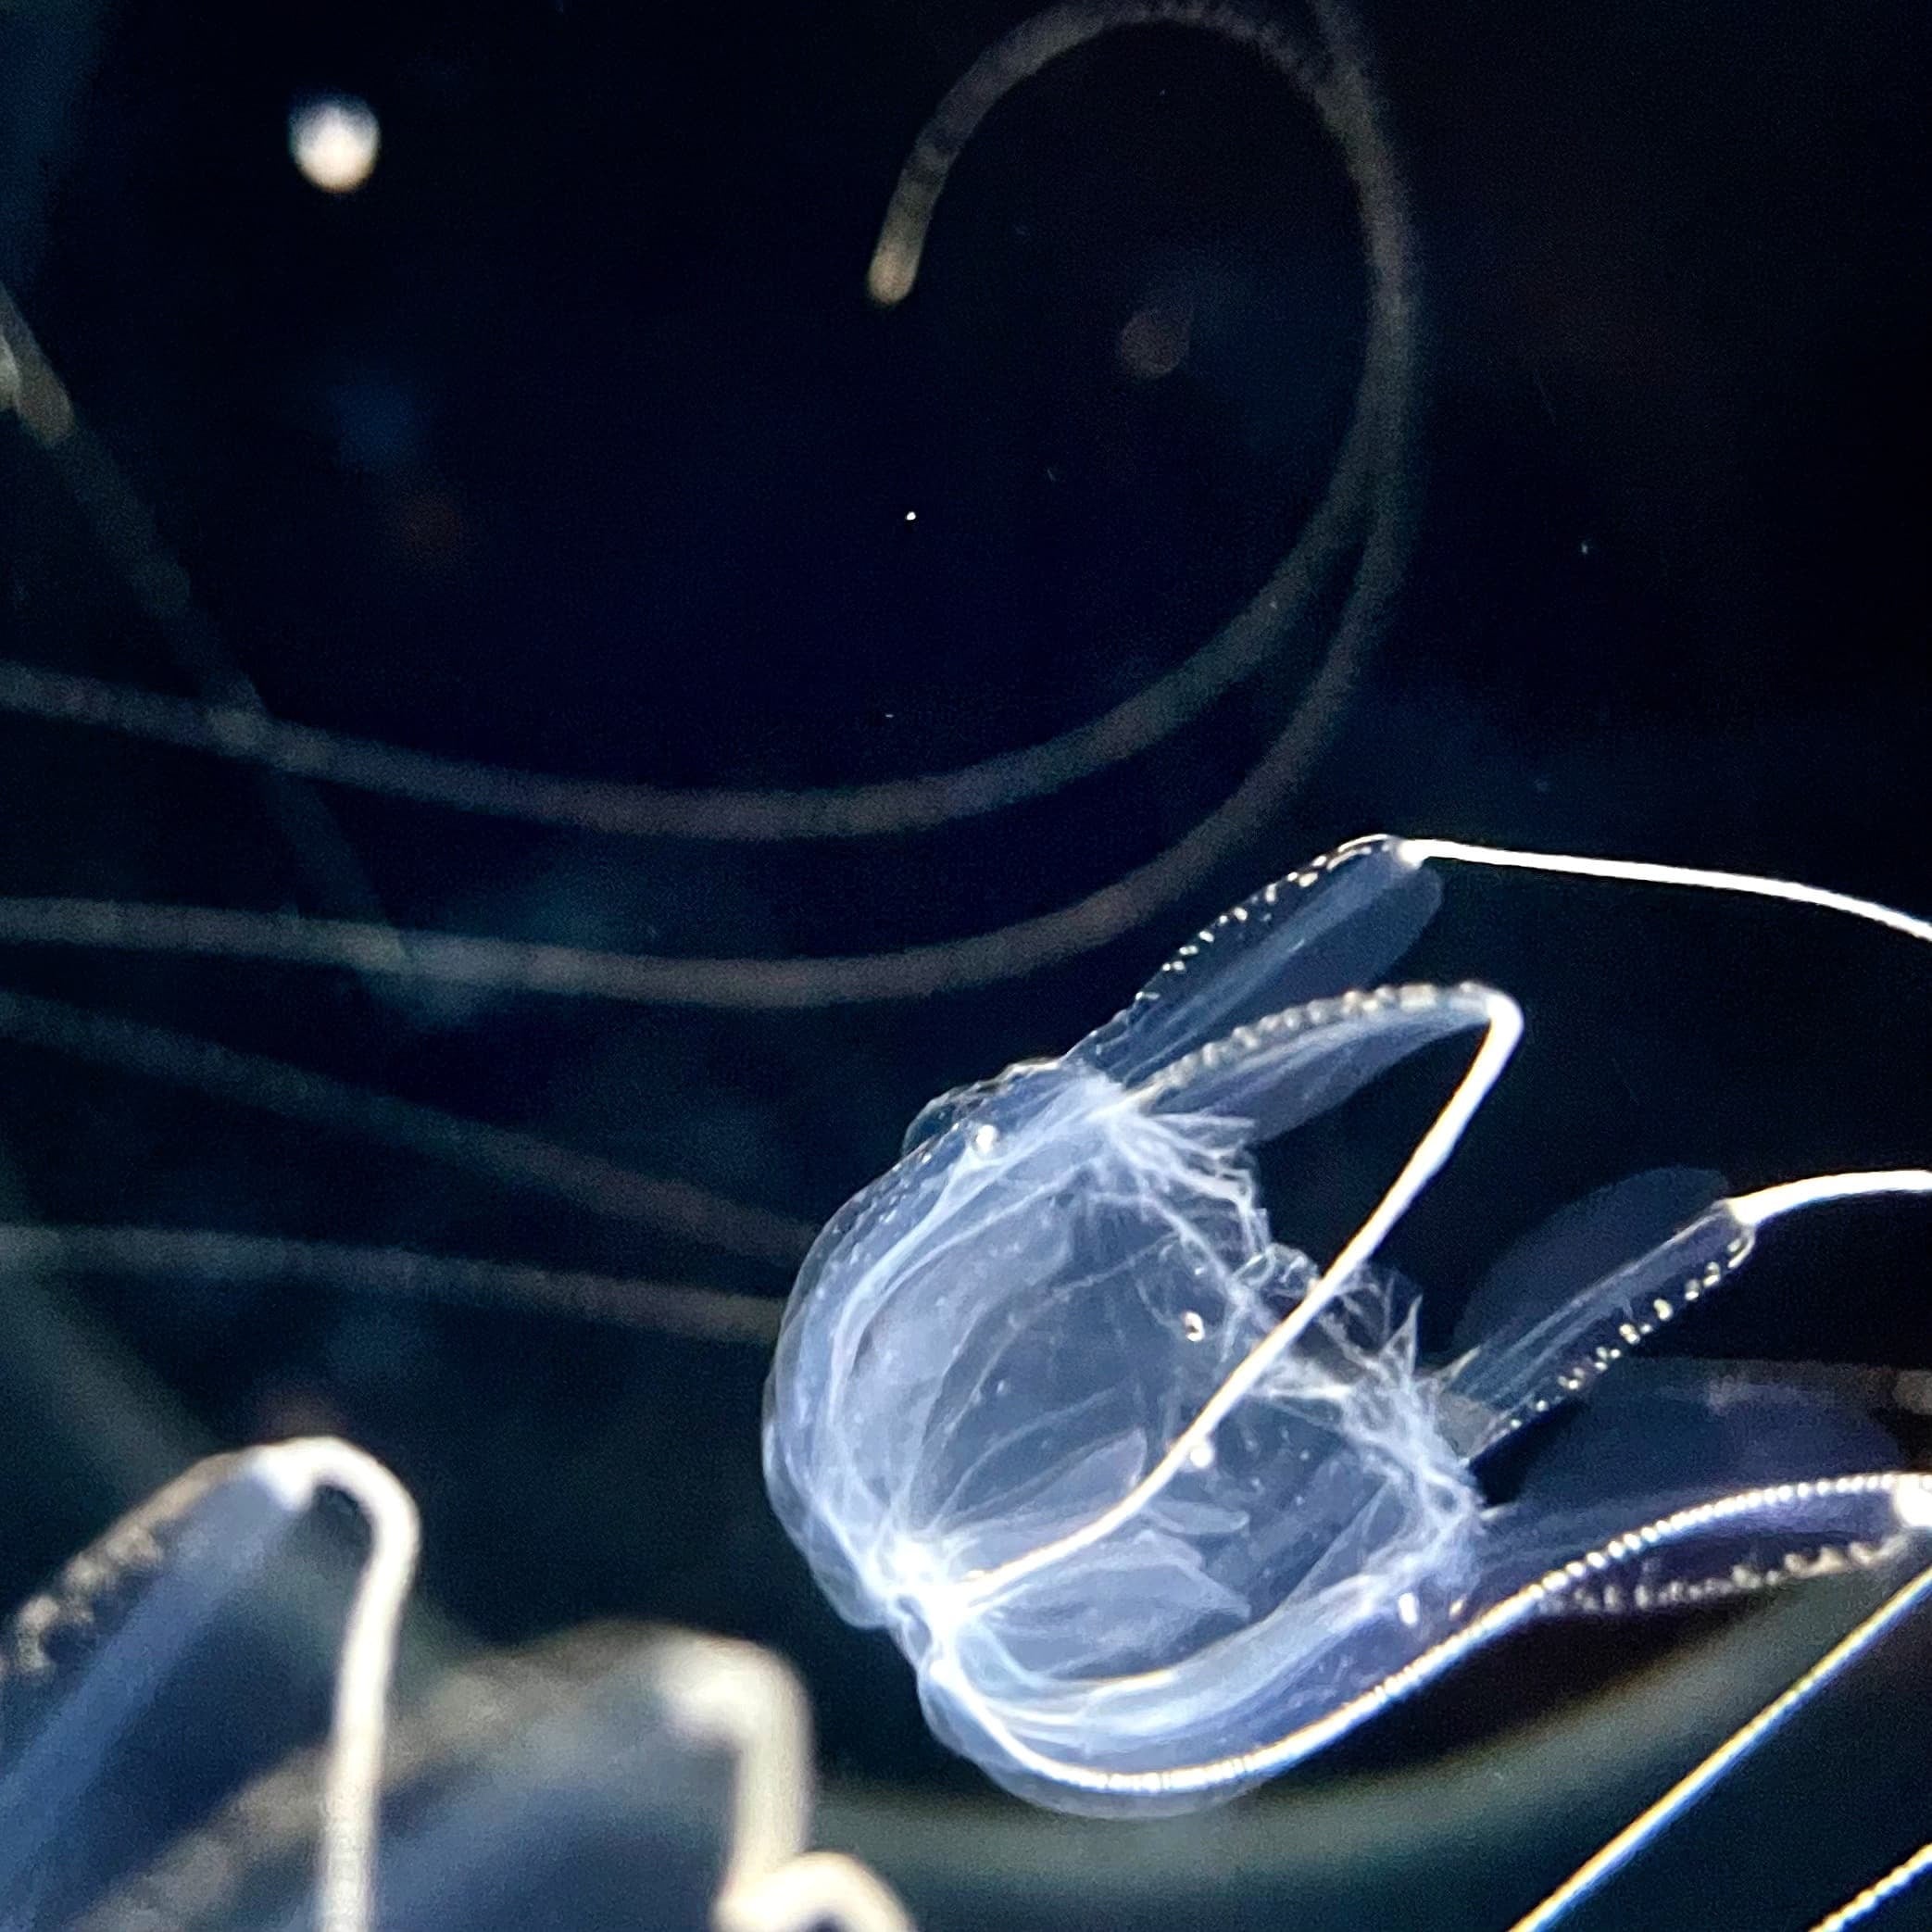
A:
(1155, 1503)
(166, 1661)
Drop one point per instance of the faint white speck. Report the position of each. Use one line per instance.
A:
(335, 140)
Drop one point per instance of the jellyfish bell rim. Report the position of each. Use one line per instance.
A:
(1083, 1792)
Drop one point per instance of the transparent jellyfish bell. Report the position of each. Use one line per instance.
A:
(1157, 1504)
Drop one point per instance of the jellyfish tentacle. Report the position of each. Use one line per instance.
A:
(1815, 1190)
(1912, 1500)
(1881, 1891)
(606, 1188)
(219, 1255)
(1503, 1029)
(1421, 851)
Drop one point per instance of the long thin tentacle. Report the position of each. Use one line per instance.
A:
(1657, 1817)
(1368, 507)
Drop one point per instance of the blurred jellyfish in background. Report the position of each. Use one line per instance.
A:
(618, 1773)
(538, 728)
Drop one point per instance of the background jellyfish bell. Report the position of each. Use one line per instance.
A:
(510, 1788)
(610, 482)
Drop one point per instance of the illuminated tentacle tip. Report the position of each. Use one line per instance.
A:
(894, 268)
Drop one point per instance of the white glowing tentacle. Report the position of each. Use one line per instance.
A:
(1788, 1197)
(1881, 1891)
(1419, 851)
(1503, 1031)
(1655, 1817)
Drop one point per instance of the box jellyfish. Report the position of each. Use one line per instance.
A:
(1156, 1503)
